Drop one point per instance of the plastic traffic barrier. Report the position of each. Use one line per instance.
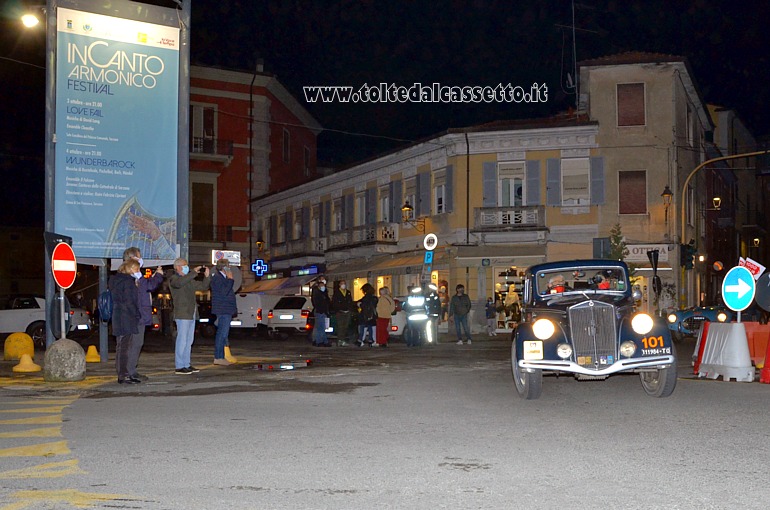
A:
(726, 353)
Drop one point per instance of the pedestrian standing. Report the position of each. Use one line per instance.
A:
(491, 310)
(367, 315)
(144, 289)
(342, 308)
(183, 285)
(223, 306)
(319, 297)
(459, 308)
(385, 308)
(125, 316)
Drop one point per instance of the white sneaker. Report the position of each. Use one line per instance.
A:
(469, 342)
(459, 342)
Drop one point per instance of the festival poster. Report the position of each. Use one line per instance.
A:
(116, 135)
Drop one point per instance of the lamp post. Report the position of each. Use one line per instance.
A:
(406, 217)
(667, 195)
(683, 219)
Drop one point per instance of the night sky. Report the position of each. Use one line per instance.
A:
(483, 42)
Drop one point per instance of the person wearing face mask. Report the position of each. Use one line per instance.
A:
(183, 286)
(385, 308)
(144, 290)
(342, 307)
(319, 297)
(223, 306)
(125, 316)
(459, 308)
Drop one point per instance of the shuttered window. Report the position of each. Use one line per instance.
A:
(631, 104)
(632, 186)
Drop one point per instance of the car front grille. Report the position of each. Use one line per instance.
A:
(594, 334)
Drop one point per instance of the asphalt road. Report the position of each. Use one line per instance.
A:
(438, 427)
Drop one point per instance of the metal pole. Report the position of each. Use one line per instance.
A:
(62, 312)
(682, 232)
(50, 131)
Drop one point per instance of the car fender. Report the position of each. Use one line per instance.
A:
(659, 337)
(523, 333)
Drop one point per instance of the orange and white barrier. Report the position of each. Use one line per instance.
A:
(726, 353)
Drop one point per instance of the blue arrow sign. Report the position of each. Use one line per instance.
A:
(738, 288)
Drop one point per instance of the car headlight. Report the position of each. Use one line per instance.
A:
(721, 316)
(642, 323)
(672, 318)
(543, 329)
(564, 351)
(627, 348)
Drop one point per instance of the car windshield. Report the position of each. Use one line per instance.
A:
(291, 303)
(593, 279)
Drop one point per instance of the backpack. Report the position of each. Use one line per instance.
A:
(104, 303)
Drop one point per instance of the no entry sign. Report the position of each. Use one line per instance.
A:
(64, 265)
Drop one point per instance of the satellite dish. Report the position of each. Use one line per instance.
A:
(762, 295)
(237, 277)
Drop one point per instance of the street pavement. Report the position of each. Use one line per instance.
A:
(436, 427)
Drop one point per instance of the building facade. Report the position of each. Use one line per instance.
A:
(505, 195)
(248, 137)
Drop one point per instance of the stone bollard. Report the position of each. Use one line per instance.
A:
(65, 361)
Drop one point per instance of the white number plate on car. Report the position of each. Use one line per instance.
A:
(286, 316)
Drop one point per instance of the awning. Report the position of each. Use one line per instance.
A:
(289, 285)
(385, 265)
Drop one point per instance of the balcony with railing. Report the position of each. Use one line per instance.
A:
(362, 235)
(211, 149)
(509, 219)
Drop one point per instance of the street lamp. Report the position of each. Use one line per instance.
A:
(407, 212)
(29, 20)
(667, 195)
(756, 242)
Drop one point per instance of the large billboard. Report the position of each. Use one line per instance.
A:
(117, 89)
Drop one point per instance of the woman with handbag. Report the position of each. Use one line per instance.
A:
(385, 308)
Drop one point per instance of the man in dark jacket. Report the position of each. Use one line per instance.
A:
(321, 305)
(144, 289)
(342, 308)
(223, 306)
(125, 316)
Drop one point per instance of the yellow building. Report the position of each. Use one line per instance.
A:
(508, 194)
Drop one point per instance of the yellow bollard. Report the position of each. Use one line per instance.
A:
(228, 355)
(26, 365)
(92, 356)
(17, 344)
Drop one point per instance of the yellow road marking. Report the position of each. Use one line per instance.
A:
(67, 496)
(39, 401)
(39, 432)
(35, 420)
(51, 409)
(37, 450)
(49, 470)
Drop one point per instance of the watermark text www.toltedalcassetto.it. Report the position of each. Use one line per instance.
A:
(428, 93)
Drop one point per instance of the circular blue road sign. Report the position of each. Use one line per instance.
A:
(738, 288)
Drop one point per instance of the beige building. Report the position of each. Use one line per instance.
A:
(505, 195)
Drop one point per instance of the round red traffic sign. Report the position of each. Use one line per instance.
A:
(64, 265)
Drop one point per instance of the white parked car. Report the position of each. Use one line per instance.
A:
(289, 316)
(27, 314)
(253, 308)
(398, 321)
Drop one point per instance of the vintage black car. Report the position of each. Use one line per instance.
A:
(579, 317)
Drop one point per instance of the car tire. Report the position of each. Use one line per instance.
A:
(36, 331)
(529, 385)
(660, 383)
(208, 330)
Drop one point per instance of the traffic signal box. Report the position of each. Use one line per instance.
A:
(687, 255)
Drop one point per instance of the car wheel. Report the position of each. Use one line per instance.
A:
(660, 383)
(36, 330)
(529, 385)
(208, 330)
